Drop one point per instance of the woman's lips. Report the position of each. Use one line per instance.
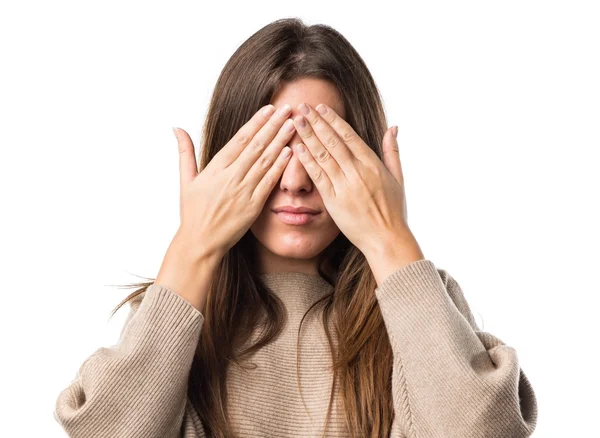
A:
(296, 218)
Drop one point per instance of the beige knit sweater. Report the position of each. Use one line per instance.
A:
(449, 378)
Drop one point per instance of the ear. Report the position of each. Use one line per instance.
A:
(391, 154)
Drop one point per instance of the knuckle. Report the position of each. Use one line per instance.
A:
(393, 149)
(273, 123)
(323, 156)
(332, 141)
(264, 162)
(243, 139)
(256, 144)
(348, 136)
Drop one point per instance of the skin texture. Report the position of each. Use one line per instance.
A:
(283, 247)
(352, 178)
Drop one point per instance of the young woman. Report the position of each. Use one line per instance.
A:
(294, 300)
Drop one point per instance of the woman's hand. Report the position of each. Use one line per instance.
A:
(363, 195)
(219, 204)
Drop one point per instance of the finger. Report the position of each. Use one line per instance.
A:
(231, 151)
(355, 144)
(261, 141)
(316, 173)
(188, 169)
(324, 143)
(267, 183)
(265, 162)
(391, 154)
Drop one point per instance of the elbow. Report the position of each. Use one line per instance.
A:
(70, 406)
(507, 405)
(509, 410)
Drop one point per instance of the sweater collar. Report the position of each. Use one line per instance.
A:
(297, 290)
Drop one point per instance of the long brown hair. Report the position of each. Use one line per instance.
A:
(282, 52)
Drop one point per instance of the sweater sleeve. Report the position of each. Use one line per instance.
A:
(138, 387)
(449, 378)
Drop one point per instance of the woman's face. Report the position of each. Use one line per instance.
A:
(282, 246)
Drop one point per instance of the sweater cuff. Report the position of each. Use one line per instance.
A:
(164, 308)
(414, 298)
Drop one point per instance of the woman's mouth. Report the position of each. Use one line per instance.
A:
(296, 218)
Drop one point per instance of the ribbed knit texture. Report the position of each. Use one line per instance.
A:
(449, 378)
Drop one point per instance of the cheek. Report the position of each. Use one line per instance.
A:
(330, 230)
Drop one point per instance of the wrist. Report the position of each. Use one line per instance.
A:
(396, 252)
(194, 251)
(188, 270)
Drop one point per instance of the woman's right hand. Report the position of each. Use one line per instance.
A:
(218, 206)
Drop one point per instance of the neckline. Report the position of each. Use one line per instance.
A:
(291, 274)
(297, 290)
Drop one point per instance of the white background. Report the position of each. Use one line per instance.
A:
(498, 105)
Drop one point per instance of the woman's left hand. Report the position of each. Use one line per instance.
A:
(363, 195)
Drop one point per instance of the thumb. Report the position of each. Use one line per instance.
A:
(391, 153)
(188, 169)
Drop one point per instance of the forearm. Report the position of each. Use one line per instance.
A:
(469, 378)
(137, 387)
(188, 269)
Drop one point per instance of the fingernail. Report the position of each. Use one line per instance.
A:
(303, 109)
(289, 125)
(395, 131)
(268, 110)
(176, 132)
(321, 108)
(285, 109)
